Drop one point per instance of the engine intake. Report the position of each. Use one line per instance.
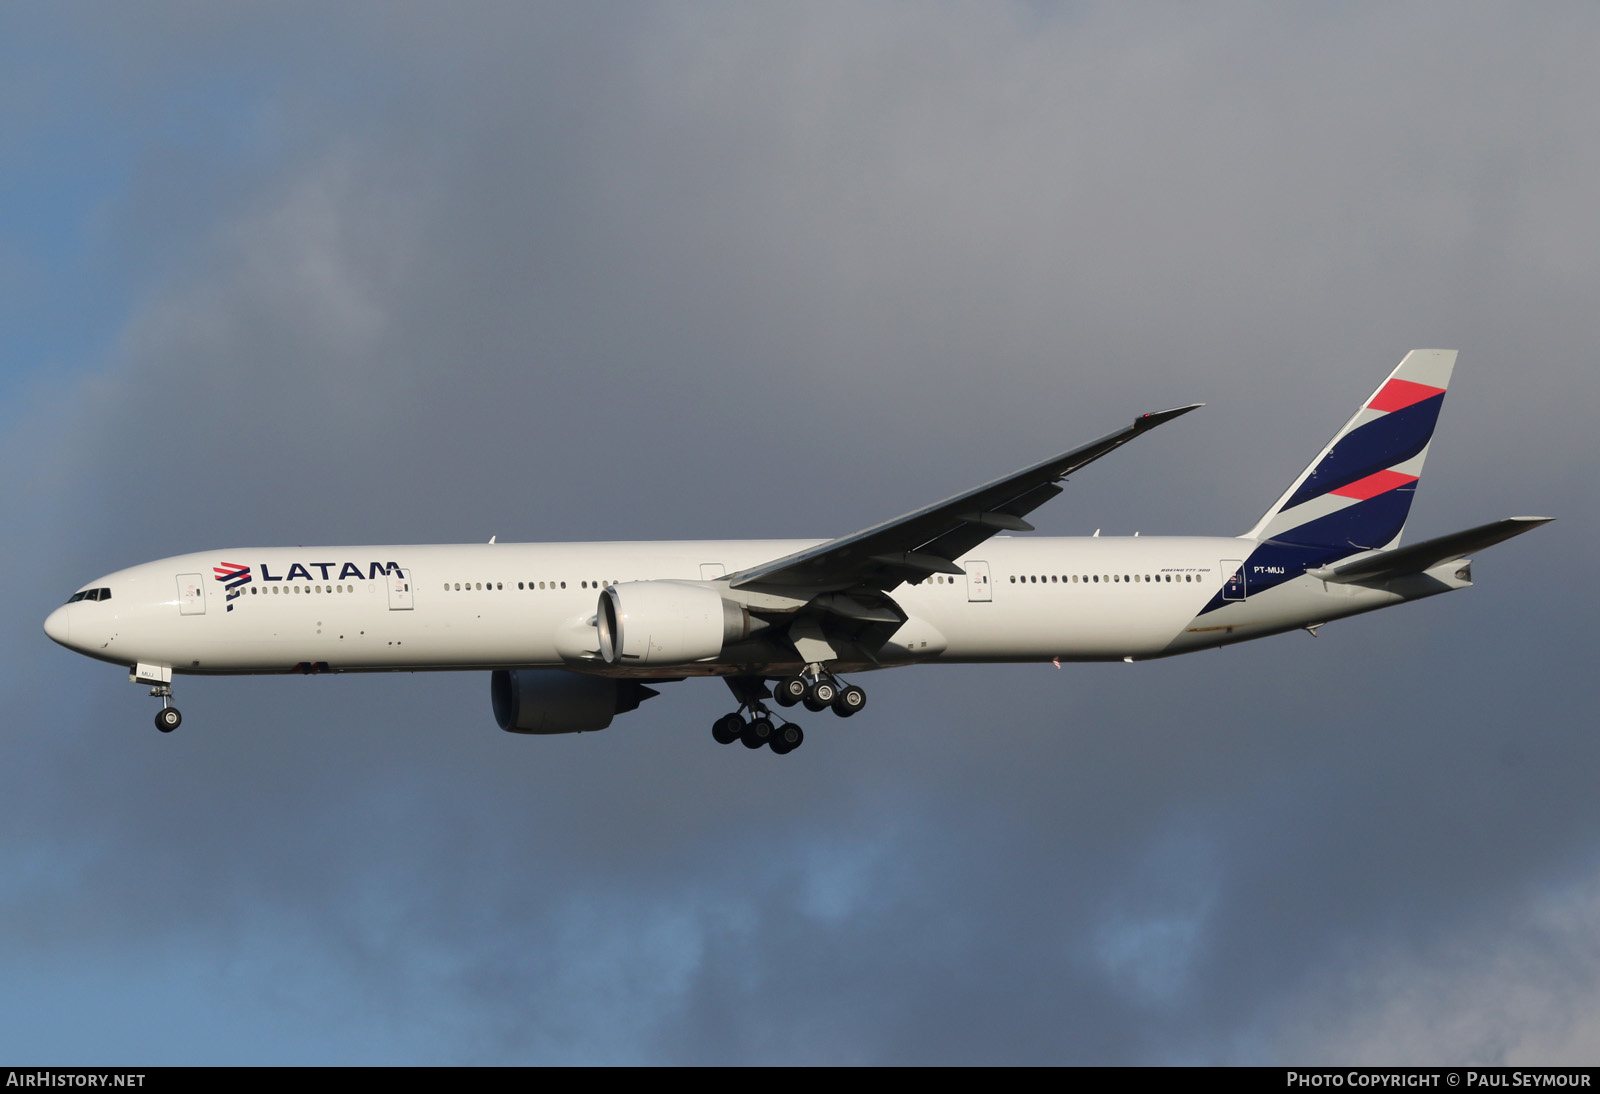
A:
(557, 701)
(666, 623)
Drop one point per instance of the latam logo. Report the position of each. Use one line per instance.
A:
(348, 571)
(234, 577)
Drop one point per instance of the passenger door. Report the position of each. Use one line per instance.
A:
(191, 594)
(399, 590)
(978, 581)
(1234, 588)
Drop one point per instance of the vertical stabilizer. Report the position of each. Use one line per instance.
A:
(1357, 492)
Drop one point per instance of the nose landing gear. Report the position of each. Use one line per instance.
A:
(167, 718)
(159, 677)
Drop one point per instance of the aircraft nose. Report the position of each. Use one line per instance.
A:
(58, 625)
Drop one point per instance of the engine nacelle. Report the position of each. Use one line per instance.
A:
(666, 623)
(557, 701)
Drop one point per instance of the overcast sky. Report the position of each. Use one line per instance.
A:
(286, 274)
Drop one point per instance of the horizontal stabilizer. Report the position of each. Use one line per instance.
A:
(1429, 553)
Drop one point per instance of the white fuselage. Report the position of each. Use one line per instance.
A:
(507, 605)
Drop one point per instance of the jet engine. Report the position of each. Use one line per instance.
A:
(557, 701)
(666, 623)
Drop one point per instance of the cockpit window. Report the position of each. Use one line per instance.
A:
(90, 594)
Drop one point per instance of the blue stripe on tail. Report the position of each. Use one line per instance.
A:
(1382, 443)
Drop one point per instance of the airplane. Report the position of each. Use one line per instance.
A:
(574, 634)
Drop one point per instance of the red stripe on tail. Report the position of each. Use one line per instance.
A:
(1399, 394)
(1370, 487)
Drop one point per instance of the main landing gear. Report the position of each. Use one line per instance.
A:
(759, 730)
(819, 690)
(816, 688)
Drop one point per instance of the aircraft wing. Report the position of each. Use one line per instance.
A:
(1431, 552)
(928, 541)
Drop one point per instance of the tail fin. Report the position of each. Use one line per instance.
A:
(1357, 493)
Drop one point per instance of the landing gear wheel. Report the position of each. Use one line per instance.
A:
(821, 695)
(757, 733)
(168, 719)
(726, 730)
(789, 691)
(786, 739)
(849, 701)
